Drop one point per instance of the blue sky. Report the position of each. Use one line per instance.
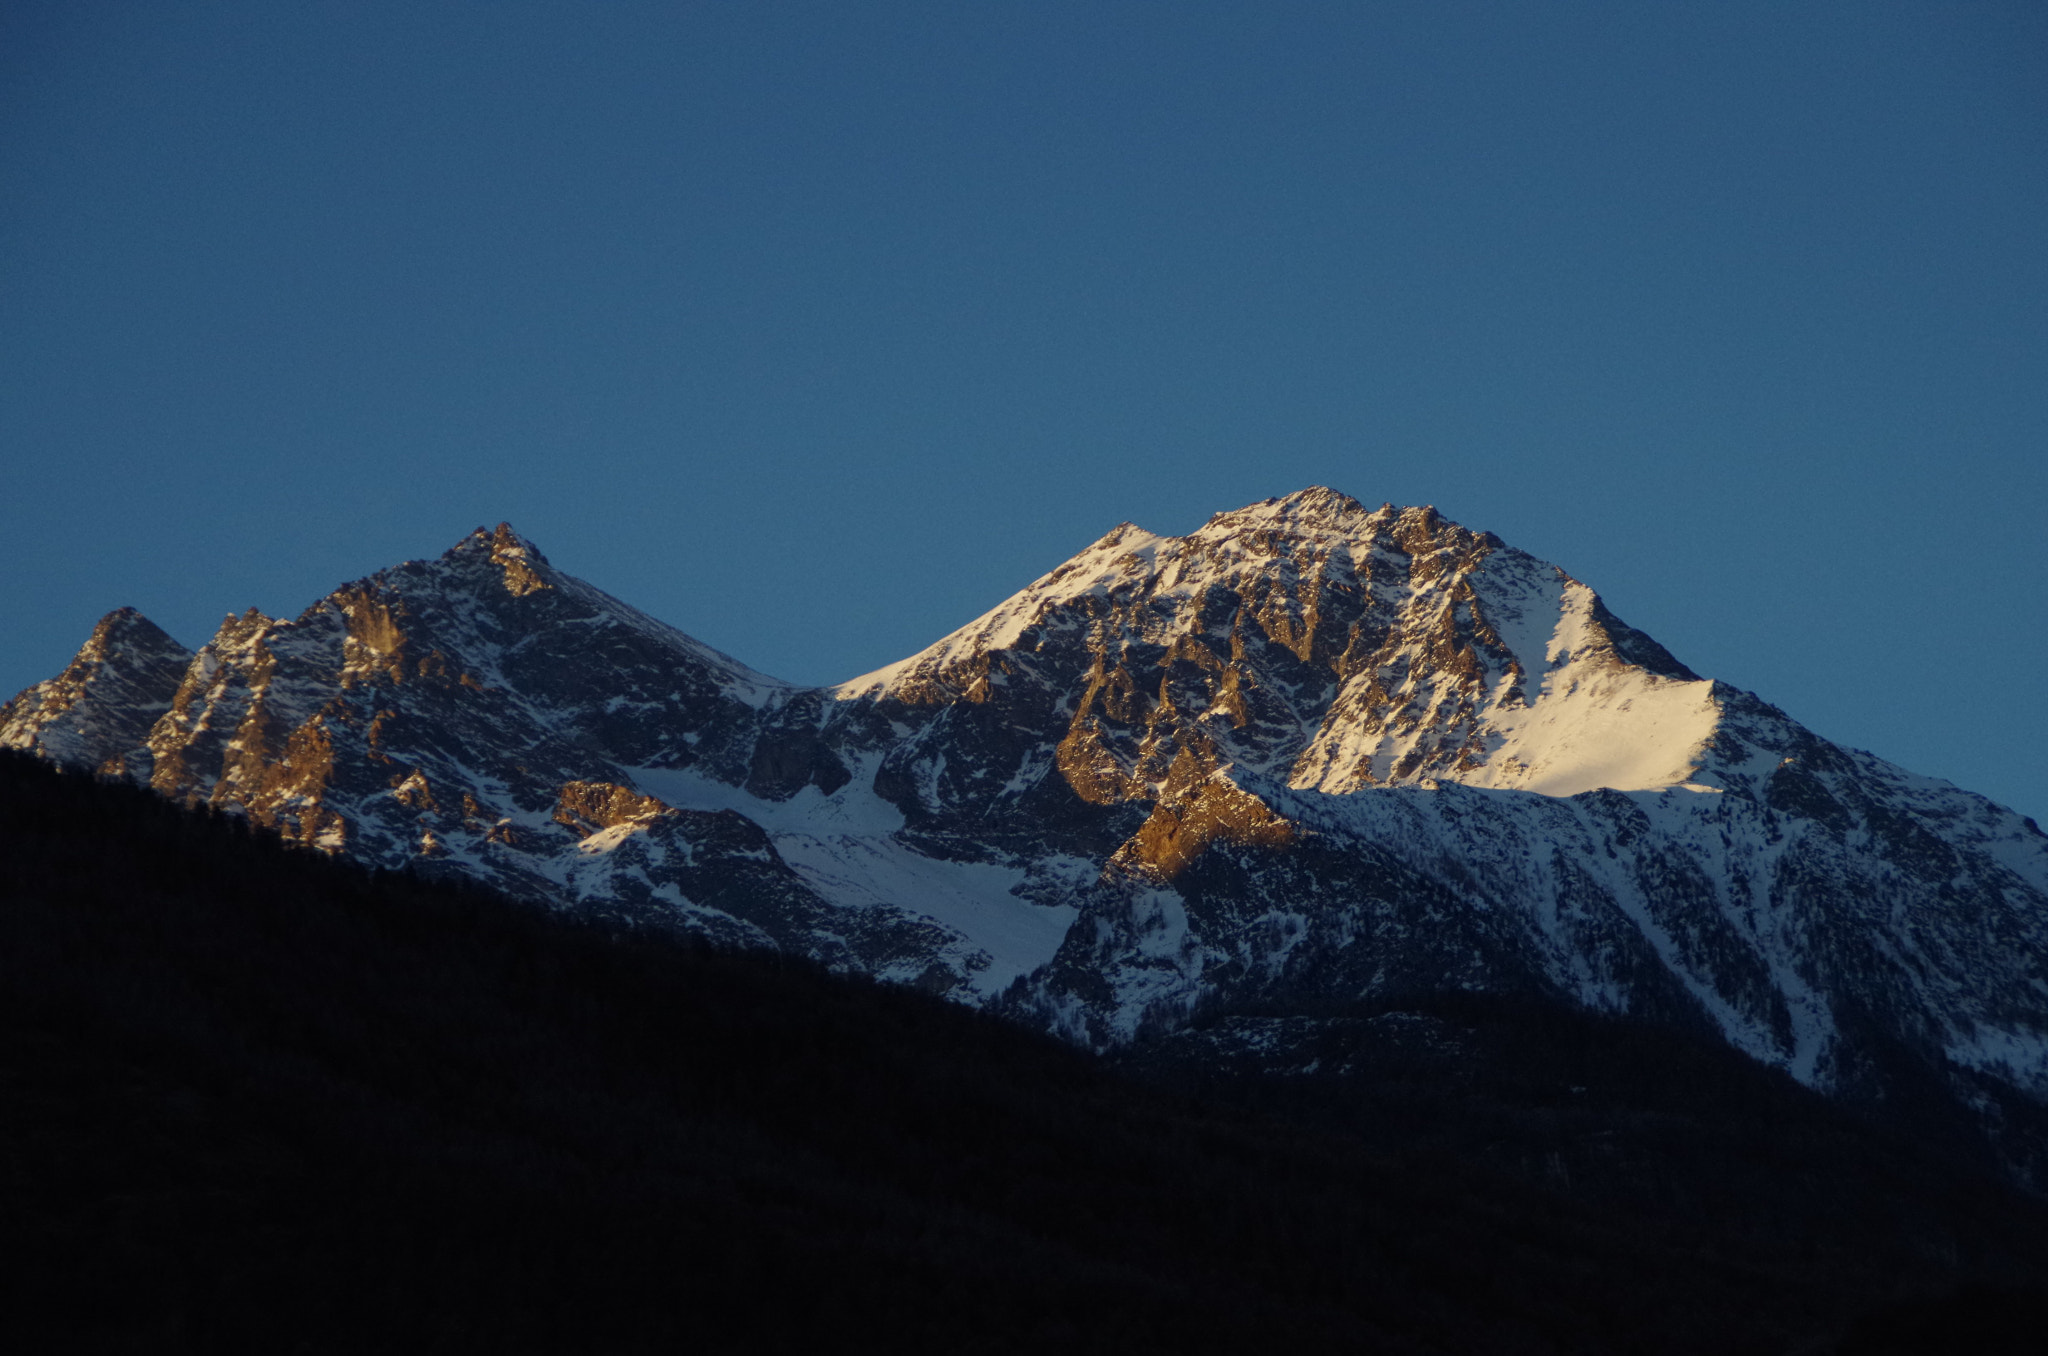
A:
(816, 329)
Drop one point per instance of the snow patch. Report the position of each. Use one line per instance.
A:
(845, 847)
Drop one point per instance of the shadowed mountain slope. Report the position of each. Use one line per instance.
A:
(261, 1100)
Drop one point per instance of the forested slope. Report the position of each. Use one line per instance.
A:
(257, 1099)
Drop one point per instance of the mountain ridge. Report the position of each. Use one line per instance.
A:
(1310, 753)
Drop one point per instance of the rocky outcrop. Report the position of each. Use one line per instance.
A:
(585, 808)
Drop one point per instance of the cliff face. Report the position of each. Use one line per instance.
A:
(1308, 757)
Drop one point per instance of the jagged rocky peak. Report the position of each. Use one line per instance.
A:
(1317, 510)
(1313, 641)
(1276, 762)
(434, 699)
(517, 557)
(487, 562)
(99, 709)
(1322, 515)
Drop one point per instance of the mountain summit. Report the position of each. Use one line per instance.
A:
(1309, 761)
(1309, 640)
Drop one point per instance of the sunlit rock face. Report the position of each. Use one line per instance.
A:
(1312, 641)
(1310, 756)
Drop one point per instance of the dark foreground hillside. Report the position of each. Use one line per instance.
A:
(255, 1100)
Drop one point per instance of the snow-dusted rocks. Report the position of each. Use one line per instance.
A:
(1308, 757)
(99, 711)
(1311, 641)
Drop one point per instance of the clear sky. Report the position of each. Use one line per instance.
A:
(816, 329)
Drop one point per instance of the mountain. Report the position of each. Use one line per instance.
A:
(1230, 798)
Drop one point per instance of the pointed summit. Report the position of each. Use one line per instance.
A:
(506, 541)
(101, 707)
(1326, 645)
(503, 537)
(509, 559)
(1318, 507)
(518, 557)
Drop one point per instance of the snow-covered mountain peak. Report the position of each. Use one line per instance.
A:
(1328, 518)
(1286, 760)
(1317, 509)
(1319, 643)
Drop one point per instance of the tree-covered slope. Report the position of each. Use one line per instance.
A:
(257, 1099)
